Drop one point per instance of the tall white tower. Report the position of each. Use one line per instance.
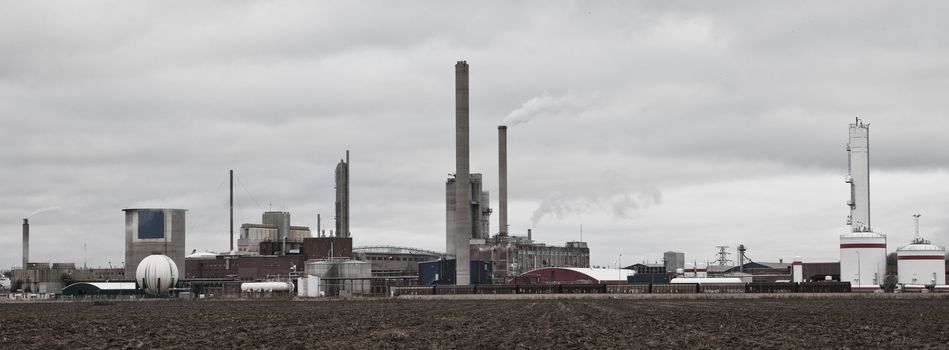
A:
(862, 251)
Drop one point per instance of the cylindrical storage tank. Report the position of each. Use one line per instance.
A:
(266, 287)
(156, 274)
(863, 260)
(320, 268)
(797, 270)
(921, 263)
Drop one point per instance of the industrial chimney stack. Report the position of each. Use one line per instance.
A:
(463, 232)
(502, 179)
(26, 242)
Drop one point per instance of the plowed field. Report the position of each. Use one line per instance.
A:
(479, 324)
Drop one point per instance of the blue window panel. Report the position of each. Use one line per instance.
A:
(151, 224)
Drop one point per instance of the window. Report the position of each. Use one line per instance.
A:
(151, 224)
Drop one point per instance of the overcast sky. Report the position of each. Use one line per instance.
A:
(656, 125)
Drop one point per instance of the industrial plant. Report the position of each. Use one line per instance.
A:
(274, 258)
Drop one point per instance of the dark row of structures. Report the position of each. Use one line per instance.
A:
(651, 288)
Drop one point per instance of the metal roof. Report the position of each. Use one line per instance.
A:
(862, 235)
(596, 274)
(113, 285)
(388, 249)
(921, 247)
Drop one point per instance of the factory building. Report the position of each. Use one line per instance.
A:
(53, 277)
(275, 233)
(342, 197)
(513, 255)
(390, 261)
(154, 231)
(862, 251)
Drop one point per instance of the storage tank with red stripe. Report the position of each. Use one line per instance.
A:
(921, 263)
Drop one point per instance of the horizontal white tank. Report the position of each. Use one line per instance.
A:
(921, 264)
(863, 259)
(266, 287)
(718, 280)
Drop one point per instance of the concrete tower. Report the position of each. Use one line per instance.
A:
(26, 243)
(502, 180)
(862, 251)
(151, 231)
(462, 192)
(342, 197)
(858, 176)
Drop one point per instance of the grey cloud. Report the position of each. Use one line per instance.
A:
(108, 105)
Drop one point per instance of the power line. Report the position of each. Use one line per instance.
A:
(249, 194)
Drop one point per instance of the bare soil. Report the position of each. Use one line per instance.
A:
(481, 324)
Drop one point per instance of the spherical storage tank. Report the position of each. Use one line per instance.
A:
(921, 263)
(156, 274)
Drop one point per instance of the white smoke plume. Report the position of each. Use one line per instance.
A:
(42, 210)
(547, 105)
(620, 204)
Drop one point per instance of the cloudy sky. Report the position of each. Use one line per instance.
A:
(656, 125)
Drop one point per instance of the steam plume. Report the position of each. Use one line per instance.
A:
(545, 105)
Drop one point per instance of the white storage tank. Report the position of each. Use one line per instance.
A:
(921, 263)
(156, 274)
(863, 259)
(258, 287)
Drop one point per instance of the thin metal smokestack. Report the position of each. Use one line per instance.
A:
(502, 179)
(232, 209)
(462, 177)
(26, 242)
(318, 225)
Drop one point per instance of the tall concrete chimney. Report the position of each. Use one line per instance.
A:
(502, 179)
(26, 242)
(462, 178)
(342, 197)
(318, 224)
(232, 209)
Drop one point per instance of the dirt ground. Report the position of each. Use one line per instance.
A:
(480, 324)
